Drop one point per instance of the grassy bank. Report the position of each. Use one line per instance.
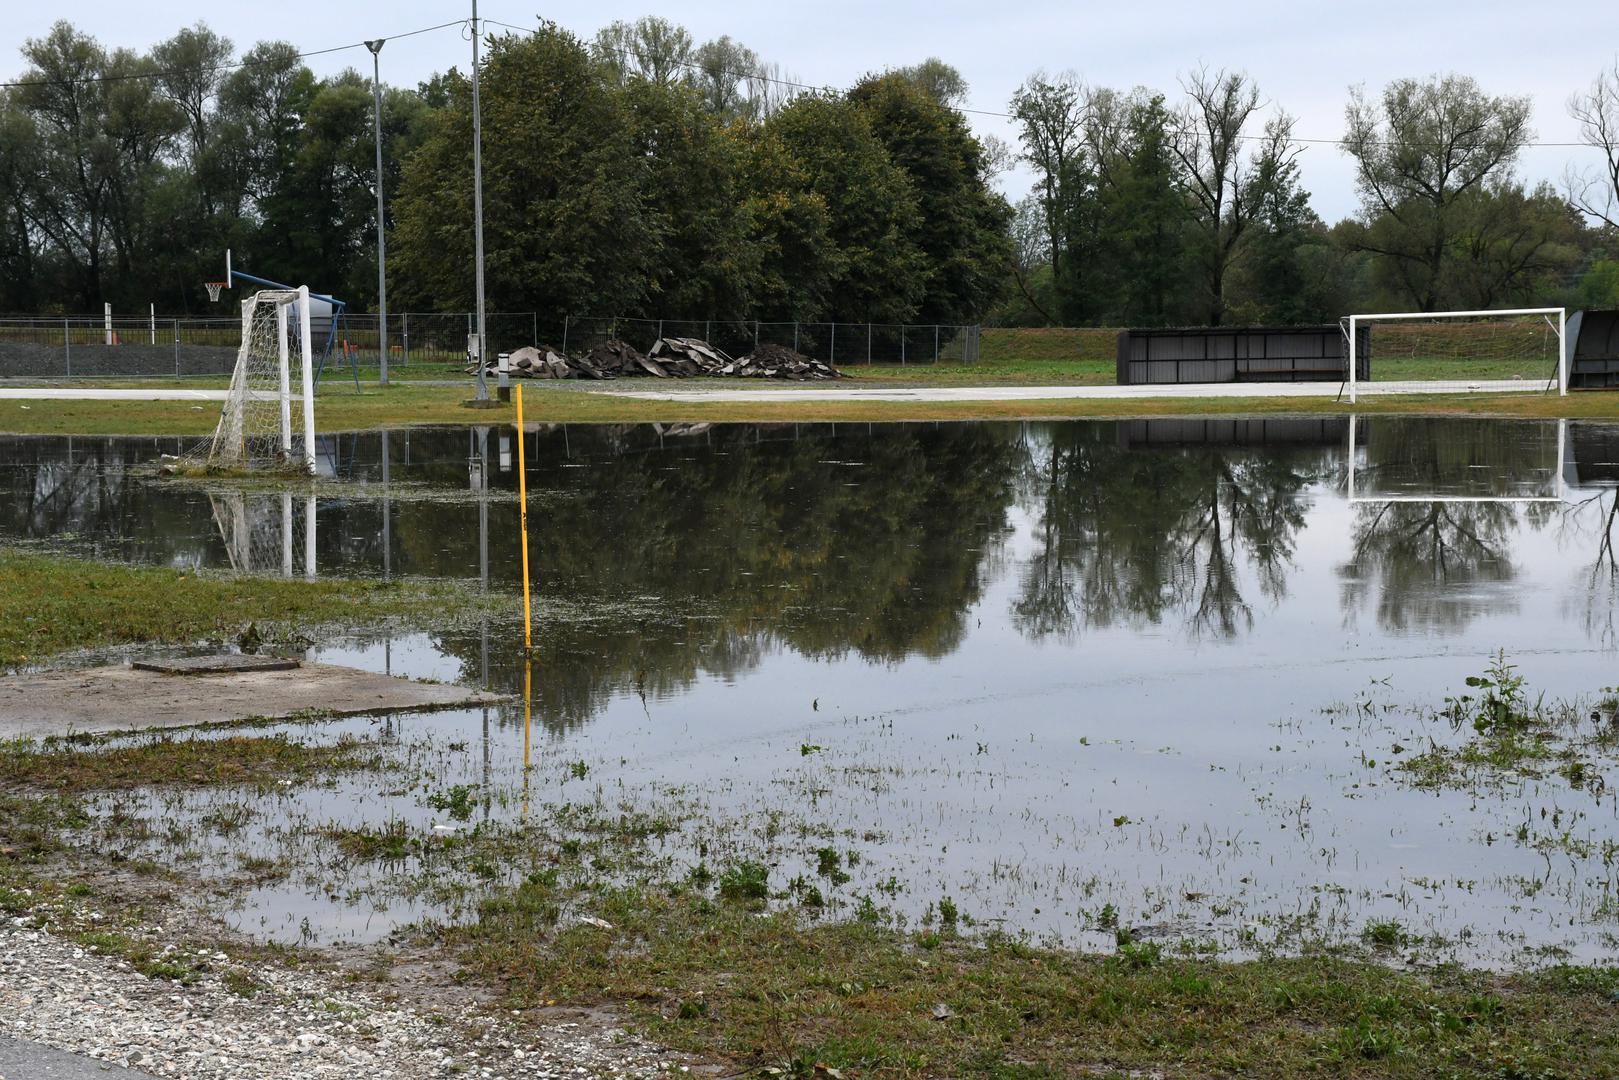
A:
(783, 992)
(51, 604)
(564, 404)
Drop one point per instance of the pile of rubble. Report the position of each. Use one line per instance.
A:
(670, 358)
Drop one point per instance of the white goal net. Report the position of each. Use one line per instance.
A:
(267, 422)
(1448, 352)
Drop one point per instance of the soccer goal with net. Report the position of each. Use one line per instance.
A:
(1443, 352)
(265, 423)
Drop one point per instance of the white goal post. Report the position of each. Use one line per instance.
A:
(1448, 355)
(258, 426)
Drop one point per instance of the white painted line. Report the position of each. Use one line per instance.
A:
(86, 393)
(1054, 393)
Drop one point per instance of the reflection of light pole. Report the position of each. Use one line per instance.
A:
(387, 549)
(382, 244)
(387, 516)
(477, 204)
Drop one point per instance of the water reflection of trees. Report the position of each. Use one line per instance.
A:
(86, 489)
(1588, 524)
(1133, 537)
(701, 559)
(1436, 564)
(1418, 560)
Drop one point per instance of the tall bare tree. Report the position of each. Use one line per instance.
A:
(1209, 146)
(1050, 114)
(1595, 192)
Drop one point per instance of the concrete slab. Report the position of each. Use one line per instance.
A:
(221, 664)
(108, 699)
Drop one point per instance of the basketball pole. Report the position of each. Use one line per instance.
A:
(522, 516)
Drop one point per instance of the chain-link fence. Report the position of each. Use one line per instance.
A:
(434, 344)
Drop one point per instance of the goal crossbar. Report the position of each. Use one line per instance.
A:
(1555, 316)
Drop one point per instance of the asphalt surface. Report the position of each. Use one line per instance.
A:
(20, 1060)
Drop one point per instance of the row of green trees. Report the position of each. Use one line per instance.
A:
(634, 175)
(643, 173)
(617, 186)
(1149, 211)
(125, 176)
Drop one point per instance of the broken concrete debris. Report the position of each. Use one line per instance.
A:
(669, 358)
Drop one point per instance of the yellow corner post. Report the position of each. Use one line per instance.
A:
(522, 502)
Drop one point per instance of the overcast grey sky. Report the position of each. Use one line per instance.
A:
(1304, 55)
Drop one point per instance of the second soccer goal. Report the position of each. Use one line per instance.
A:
(1447, 352)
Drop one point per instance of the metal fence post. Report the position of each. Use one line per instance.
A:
(935, 343)
(868, 344)
(534, 337)
(708, 329)
(176, 348)
(795, 335)
(404, 339)
(755, 335)
(901, 344)
(660, 329)
(564, 334)
(67, 347)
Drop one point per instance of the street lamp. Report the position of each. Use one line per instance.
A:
(382, 243)
(477, 205)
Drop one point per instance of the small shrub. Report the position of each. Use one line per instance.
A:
(1384, 933)
(745, 882)
(1140, 954)
(457, 802)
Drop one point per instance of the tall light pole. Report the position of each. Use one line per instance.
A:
(382, 242)
(477, 203)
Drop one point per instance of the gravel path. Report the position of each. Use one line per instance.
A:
(300, 1026)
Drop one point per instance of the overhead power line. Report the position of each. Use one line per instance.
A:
(235, 65)
(997, 114)
(691, 65)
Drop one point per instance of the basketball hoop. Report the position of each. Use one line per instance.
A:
(213, 288)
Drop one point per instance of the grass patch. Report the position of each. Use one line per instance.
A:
(787, 992)
(1510, 737)
(50, 604)
(180, 761)
(723, 964)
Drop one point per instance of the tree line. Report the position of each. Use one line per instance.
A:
(642, 173)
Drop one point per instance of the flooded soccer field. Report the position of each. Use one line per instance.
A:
(1187, 677)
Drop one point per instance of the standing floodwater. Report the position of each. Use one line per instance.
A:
(1164, 672)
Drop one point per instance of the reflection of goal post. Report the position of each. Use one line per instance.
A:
(1544, 481)
(258, 426)
(266, 533)
(1438, 352)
